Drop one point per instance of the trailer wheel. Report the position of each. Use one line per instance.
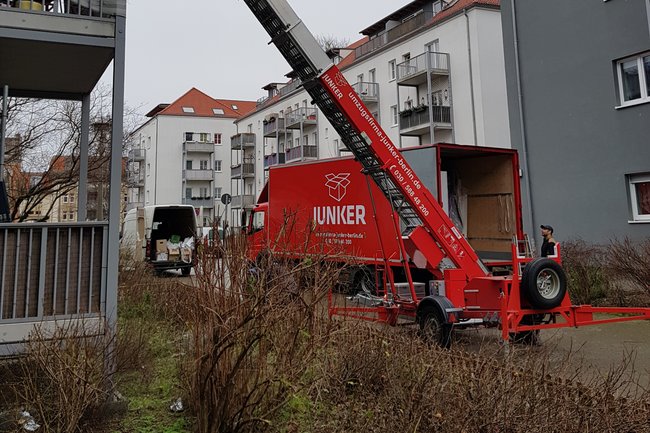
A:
(543, 283)
(434, 329)
(186, 271)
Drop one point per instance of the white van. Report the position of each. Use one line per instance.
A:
(163, 235)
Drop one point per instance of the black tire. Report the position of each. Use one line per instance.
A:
(186, 271)
(528, 338)
(364, 281)
(434, 329)
(543, 283)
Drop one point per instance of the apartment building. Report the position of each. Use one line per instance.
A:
(181, 154)
(579, 99)
(432, 71)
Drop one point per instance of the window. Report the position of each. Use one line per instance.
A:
(218, 111)
(393, 114)
(217, 193)
(305, 140)
(148, 169)
(204, 192)
(217, 138)
(64, 216)
(203, 164)
(217, 165)
(360, 78)
(71, 198)
(65, 198)
(640, 196)
(188, 164)
(189, 136)
(188, 110)
(391, 70)
(249, 128)
(634, 79)
(203, 137)
(188, 193)
(234, 107)
(372, 76)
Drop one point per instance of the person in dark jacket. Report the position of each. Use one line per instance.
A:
(548, 245)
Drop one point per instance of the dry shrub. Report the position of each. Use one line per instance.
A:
(63, 378)
(630, 261)
(587, 277)
(254, 334)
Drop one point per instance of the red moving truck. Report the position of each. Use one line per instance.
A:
(331, 209)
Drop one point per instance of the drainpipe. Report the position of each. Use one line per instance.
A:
(522, 126)
(647, 11)
(471, 77)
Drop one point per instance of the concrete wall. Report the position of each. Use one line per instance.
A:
(579, 145)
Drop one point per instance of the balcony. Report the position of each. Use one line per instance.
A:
(416, 122)
(274, 128)
(243, 170)
(413, 72)
(198, 175)
(369, 92)
(56, 47)
(243, 140)
(198, 147)
(302, 152)
(243, 201)
(393, 34)
(205, 202)
(135, 179)
(274, 159)
(137, 155)
(301, 117)
(134, 205)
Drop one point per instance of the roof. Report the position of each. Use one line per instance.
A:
(196, 103)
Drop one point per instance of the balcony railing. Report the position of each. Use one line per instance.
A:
(274, 127)
(198, 147)
(274, 159)
(82, 8)
(137, 154)
(290, 87)
(393, 34)
(242, 201)
(245, 169)
(437, 63)
(419, 116)
(206, 202)
(135, 179)
(306, 151)
(303, 115)
(369, 92)
(242, 140)
(198, 175)
(51, 270)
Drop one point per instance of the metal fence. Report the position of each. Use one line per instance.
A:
(435, 62)
(50, 270)
(84, 8)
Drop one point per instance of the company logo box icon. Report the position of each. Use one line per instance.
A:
(337, 185)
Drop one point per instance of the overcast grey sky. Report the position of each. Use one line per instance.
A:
(219, 47)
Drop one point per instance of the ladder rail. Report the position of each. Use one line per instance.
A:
(362, 134)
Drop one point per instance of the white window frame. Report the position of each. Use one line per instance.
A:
(188, 109)
(645, 91)
(218, 111)
(217, 138)
(218, 165)
(392, 70)
(204, 164)
(394, 115)
(632, 180)
(218, 192)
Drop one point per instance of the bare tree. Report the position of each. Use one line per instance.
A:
(44, 156)
(329, 42)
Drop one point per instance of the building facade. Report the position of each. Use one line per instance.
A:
(432, 71)
(181, 155)
(579, 100)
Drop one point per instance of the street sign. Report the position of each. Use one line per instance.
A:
(226, 198)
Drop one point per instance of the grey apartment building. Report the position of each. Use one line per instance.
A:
(578, 80)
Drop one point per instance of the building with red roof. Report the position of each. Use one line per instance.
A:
(181, 154)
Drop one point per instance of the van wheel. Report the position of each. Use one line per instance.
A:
(543, 283)
(186, 271)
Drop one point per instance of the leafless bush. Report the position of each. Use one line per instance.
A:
(587, 277)
(630, 261)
